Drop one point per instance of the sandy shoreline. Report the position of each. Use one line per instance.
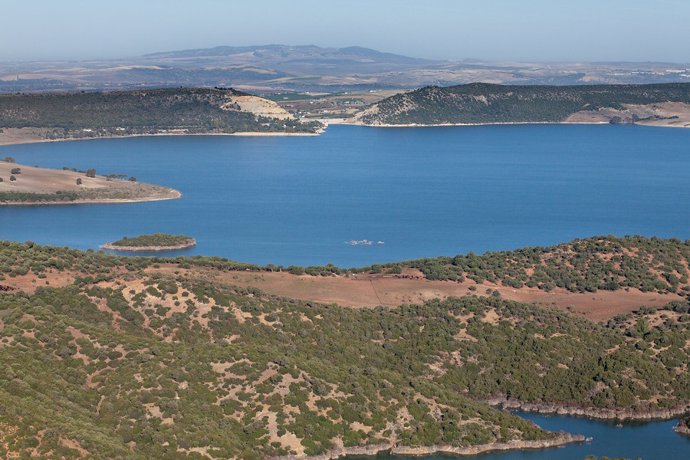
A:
(18, 140)
(499, 123)
(111, 247)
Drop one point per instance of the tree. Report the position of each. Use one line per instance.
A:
(79, 181)
(16, 171)
(132, 179)
(642, 326)
(91, 172)
(9, 160)
(12, 178)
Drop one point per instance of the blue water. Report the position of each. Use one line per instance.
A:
(424, 192)
(649, 441)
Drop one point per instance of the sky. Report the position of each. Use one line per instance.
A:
(495, 30)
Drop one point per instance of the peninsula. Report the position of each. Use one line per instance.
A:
(482, 103)
(30, 185)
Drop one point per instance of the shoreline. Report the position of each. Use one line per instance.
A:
(111, 247)
(30, 140)
(559, 440)
(622, 415)
(498, 123)
(326, 122)
(175, 195)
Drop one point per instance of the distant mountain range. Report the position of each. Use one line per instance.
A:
(282, 55)
(282, 68)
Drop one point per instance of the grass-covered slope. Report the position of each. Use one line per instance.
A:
(92, 114)
(129, 363)
(489, 103)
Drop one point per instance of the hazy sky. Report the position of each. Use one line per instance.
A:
(543, 30)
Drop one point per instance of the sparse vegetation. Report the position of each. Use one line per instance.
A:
(587, 265)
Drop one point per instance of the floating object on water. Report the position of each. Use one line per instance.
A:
(363, 242)
(359, 243)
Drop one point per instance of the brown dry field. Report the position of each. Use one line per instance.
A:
(368, 291)
(669, 114)
(42, 180)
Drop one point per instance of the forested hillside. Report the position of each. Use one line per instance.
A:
(156, 111)
(105, 357)
(489, 103)
(587, 265)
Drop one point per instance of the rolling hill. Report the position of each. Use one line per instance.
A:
(158, 111)
(479, 103)
(131, 357)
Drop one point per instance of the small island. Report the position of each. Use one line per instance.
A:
(153, 242)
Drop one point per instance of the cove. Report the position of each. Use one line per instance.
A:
(649, 441)
(422, 192)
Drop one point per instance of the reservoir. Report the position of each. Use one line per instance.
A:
(410, 192)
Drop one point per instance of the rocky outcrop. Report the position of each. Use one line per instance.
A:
(559, 440)
(593, 412)
(683, 427)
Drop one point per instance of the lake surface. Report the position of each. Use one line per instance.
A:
(649, 441)
(422, 192)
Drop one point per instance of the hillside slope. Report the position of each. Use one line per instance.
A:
(105, 358)
(160, 111)
(488, 103)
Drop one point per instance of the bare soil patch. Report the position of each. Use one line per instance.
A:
(368, 291)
